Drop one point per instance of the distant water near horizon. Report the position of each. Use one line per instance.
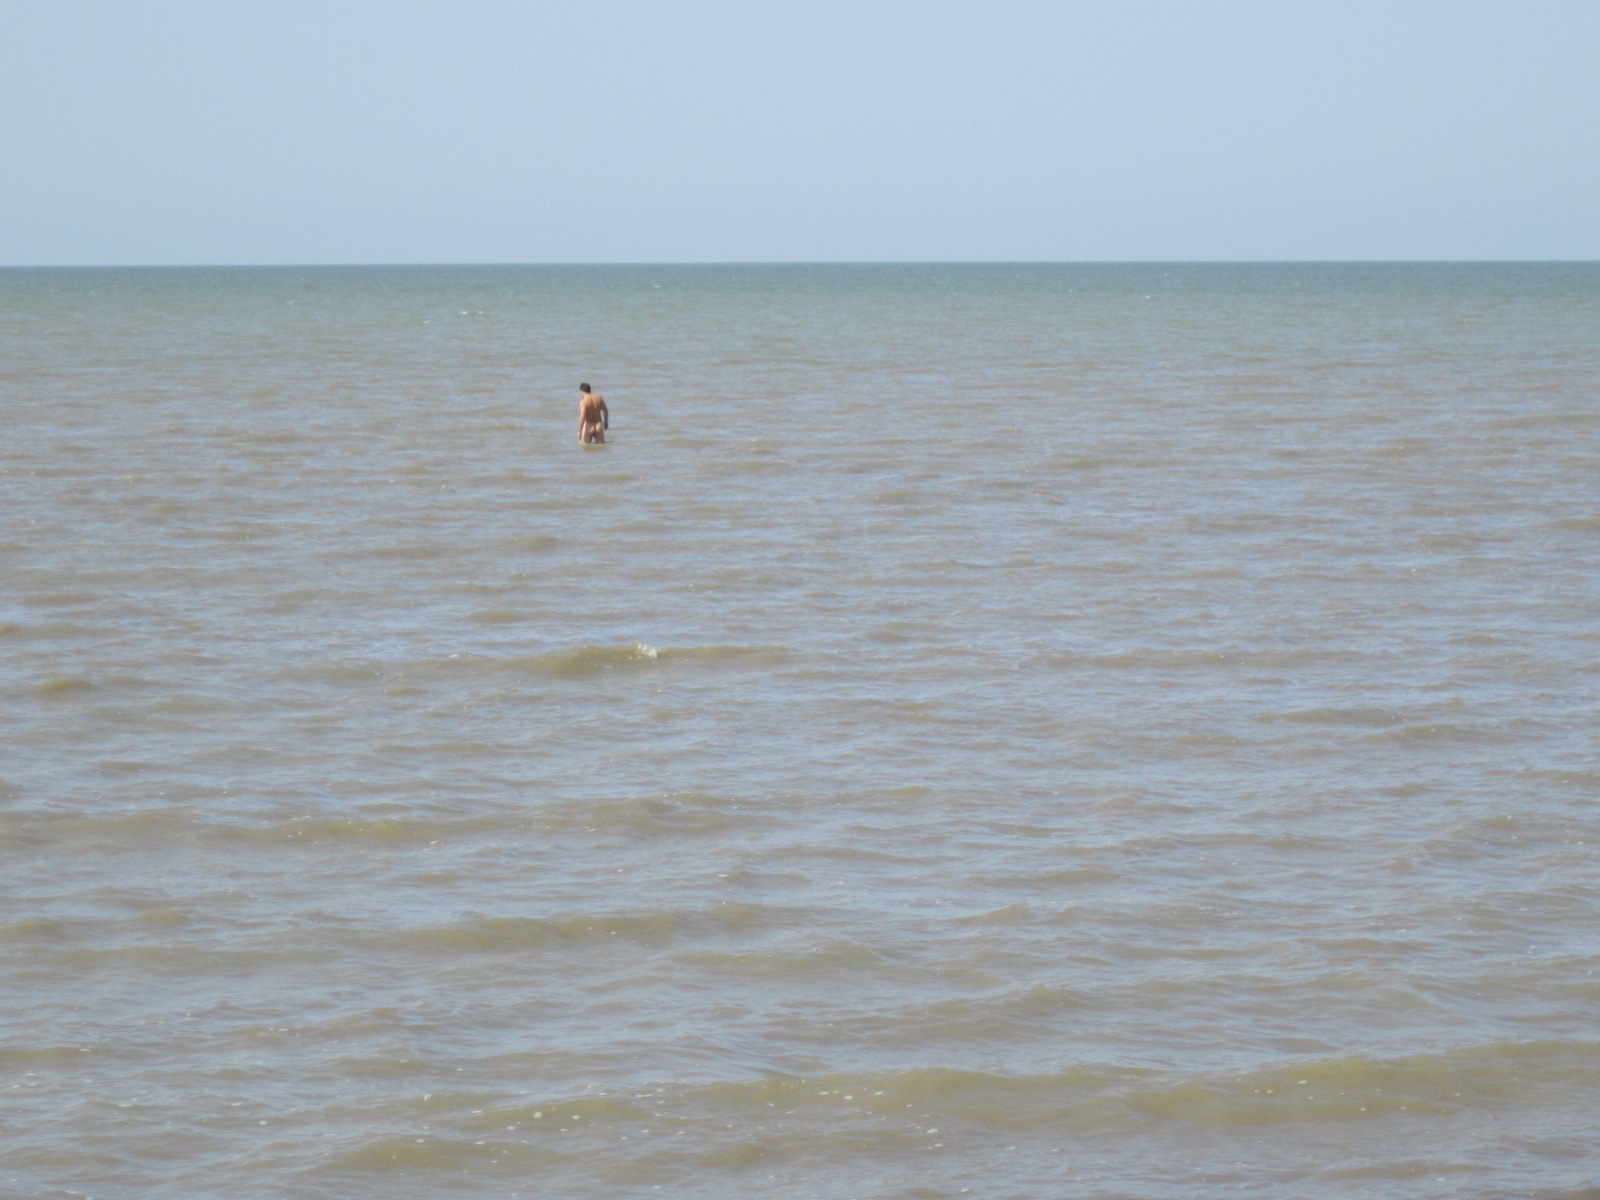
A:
(994, 731)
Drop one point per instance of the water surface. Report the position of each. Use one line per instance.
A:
(1030, 731)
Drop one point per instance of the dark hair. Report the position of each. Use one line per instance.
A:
(583, 387)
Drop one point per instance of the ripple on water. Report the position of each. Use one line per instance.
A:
(1192, 796)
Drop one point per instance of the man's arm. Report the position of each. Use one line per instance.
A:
(605, 415)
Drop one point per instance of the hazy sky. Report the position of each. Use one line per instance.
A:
(274, 131)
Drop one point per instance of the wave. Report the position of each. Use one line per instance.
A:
(500, 934)
(837, 958)
(686, 814)
(275, 437)
(1370, 717)
(246, 533)
(405, 1155)
(1230, 657)
(308, 830)
(578, 662)
(121, 831)
(1079, 462)
(529, 543)
(584, 662)
(1586, 780)
(488, 935)
(1400, 448)
(499, 616)
(1546, 420)
(61, 599)
(192, 961)
(62, 687)
(53, 629)
(43, 929)
(1330, 1090)
(1580, 524)
(403, 551)
(735, 1122)
(15, 1057)
(1426, 733)
(680, 813)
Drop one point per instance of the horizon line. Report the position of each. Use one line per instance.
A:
(861, 262)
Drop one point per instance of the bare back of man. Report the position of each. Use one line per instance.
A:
(594, 418)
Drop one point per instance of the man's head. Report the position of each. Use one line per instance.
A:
(584, 388)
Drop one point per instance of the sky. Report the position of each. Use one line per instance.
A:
(369, 131)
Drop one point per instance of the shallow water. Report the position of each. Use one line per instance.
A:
(1003, 731)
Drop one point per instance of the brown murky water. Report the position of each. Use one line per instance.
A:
(992, 731)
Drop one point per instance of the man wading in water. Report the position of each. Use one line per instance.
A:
(594, 418)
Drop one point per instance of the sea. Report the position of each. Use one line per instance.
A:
(1008, 731)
